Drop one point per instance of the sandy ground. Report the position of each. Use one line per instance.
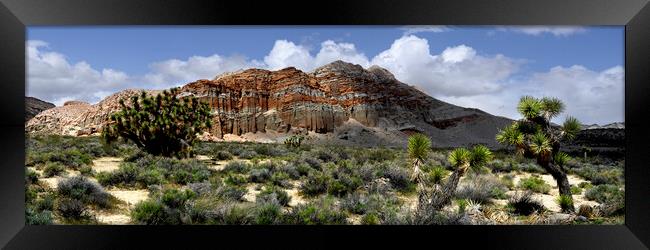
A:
(131, 197)
(549, 200)
(251, 192)
(106, 164)
(294, 193)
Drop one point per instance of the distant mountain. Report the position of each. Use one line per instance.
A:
(336, 103)
(34, 106)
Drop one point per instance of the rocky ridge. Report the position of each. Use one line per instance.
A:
(34, 106)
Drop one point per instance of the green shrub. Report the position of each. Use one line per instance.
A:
(605, 194)
(149, 212)
(315, 184)
(273, 194)
(370, 219)
(234, 179)
(343, 184)
(80, 188)
(481, 188)
(31, 177)
(259, 175)
(508, 181)
(45, 203)
(524, 204)
(222, 155)
(399, 177)
(585, 185)
(319, 212)
(38, 218)
(268, 213)
(247, 154)
(164, 125)
(72, 209)
(565, 202)
(53, 169)
(86, 171)
(236, 167)
(230, 192)
(175, 198)
(535, 184)
(531, 167)
(576, 190)
(281, 179)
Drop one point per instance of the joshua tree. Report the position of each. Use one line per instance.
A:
(294, 141)
(161, 125)
(462, 160)
(535, 138)
(418, 150)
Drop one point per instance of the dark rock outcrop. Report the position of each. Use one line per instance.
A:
(34, 106)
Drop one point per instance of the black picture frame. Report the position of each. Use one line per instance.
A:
(15, 15)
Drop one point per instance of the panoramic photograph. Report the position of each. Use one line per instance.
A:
(324, 125)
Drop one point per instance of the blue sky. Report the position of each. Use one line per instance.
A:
(479, 66)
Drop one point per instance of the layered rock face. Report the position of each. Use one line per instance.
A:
(291, 101)
(34, 106)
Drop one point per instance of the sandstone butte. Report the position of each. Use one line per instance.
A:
(289, 101)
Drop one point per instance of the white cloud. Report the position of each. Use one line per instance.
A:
(558, 31)
(590, 96)
(331, 51)
(414, 29)
(288, 54)
(51, 77)
(457, 71)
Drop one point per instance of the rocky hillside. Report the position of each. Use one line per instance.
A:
(336, 103)
(34, 106)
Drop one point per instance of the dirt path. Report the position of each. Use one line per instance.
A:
(106, 164)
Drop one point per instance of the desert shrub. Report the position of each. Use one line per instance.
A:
(343, 184)
(222, 155)
(398, 176)
(127, 174)
(280, 179)
(273, 194)
(247, 154)
(437, 174)
(38, 218)
(135, 155)
(269, 150)
(531, 167)
(379, 186)
(30, 193)
(524, 204)
(303, 169)
(535, 184)
(235, 179)
(200, 188)
(268, 213)
(585, 185)
(71, 208)
(481, 188)
(366, 172)
(231, 214)
(318, 212)
(86, 171)
(370, 219)
(576, 190)
(291, 170)
(31, 177)
(316, 183)
(149, 212)
(236, 167)
(45, 203)
(362, 203)
(508, 181)
(53, 169)
(150, 177)
(152, 170)
(259, 175)
(600, 174)
(326, 156)
(605, 194)
(80, 188)
(501, 166)
(175, 198)
(161, 125)
(565, 202)
(229, 192)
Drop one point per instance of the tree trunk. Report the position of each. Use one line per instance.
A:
(562, 181)
(442, 198)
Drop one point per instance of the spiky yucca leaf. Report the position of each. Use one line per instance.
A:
(480, 156)
(571, 127)
(552, 106)
(459, 157)
(510, 135)
(540, 144)
(419, 146)
(561, 158)
(529, 107)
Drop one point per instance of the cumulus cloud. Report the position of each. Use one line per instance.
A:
(559, 31)
(591, 96)
(287, 54)
(414, 29)
(52, 77)
(456, 71)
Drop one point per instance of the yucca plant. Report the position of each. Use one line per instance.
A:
(418, 147)
(535, 138)
(462, 160)
(164, 124)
